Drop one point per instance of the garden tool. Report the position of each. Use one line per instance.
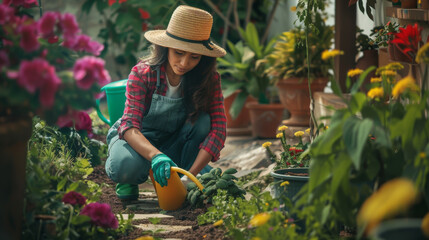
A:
(115, 96)
(172, 196)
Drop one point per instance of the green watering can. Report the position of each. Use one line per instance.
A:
(115, 95)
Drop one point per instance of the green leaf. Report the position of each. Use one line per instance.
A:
(231, 88)
(361, 79)
(80, 219)
(320, 171)
(238, 104)
(252, 39)
(356, 133)
(61, 184)
(87, 5)
(340, 171)
(234, 50)
(357, 102)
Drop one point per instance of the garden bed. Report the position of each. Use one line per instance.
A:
(182, 217)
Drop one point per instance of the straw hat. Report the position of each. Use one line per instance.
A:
(188, 30)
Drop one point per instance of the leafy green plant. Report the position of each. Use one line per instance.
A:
(51, 172)
(290, 156)
(243, 69)
(259, 217)
(212, 181)
(384, 34)
(364, 42)
(289, 57)
(381, 135)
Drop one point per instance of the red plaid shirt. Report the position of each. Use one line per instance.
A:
(140, 87)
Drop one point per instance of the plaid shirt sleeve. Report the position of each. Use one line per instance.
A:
(215, 140)
(138, 95)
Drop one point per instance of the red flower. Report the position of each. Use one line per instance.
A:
(122, 1)
(101, 215)
(144, 14)
(408, 40)
(74, 198)
(111, 2)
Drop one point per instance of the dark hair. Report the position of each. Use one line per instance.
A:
(198, 84)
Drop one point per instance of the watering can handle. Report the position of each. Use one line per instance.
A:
(190, 176)
(100, 115)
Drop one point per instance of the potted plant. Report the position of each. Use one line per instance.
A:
(383, 35)
(291, 170)
(47, 68)
(289, 69)
(380, 136)
(366, 46)
(243, 69)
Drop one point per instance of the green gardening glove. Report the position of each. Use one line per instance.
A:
(161, 164)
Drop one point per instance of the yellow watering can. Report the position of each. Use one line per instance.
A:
(172, 196)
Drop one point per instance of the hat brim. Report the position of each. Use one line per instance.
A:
(159, 37)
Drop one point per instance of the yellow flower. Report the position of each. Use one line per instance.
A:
(307, 130)
(326, 127)
(423, 54)
(267, 204)
(422, 155)
(392, 197)
(145, 238)
(354, 72)
(299, 134)
(404, 84)
(292, 225)
(279, 135)
(293, 8)
(425, 225)
(388, 72)
(284, 183)
(266, 144)
(205, 236)
(282, 128)
(376, 92)
(218, 223)
(255, 238)
(259, 219)
(376, 79)
(331, 54)
(391, 66)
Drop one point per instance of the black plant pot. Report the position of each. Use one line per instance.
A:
(408, 228)
(295, 182)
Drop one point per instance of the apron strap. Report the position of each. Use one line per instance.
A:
(158, 82)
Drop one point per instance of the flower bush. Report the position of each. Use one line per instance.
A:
(379, 136)
(48, 67)
(290, 156)
(289, 58)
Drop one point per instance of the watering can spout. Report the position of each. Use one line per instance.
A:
(172, 196)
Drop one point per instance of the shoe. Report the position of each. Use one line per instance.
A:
(127, 191)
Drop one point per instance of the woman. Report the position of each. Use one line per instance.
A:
(174, 112)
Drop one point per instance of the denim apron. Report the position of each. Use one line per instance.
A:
(165, 118)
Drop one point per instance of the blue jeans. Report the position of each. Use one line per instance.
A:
(124, 165)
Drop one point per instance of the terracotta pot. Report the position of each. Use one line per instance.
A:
(408, 3)
(368, 59)
(265, 119)
(295, 97)
(243, 118)
(397, 55)
(14, 136)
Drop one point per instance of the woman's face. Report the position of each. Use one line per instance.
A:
(182, 62)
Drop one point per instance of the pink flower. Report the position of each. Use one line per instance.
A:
(69, 24)
(101, 215)
(88, 70)
(74, 198)
(6, 14)
(47, 24)
(39, 75)
(29, 40)
(80, 120)
(144, 14)
(84, 43)
(24, 3)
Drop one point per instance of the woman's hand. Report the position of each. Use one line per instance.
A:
(161, 165)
